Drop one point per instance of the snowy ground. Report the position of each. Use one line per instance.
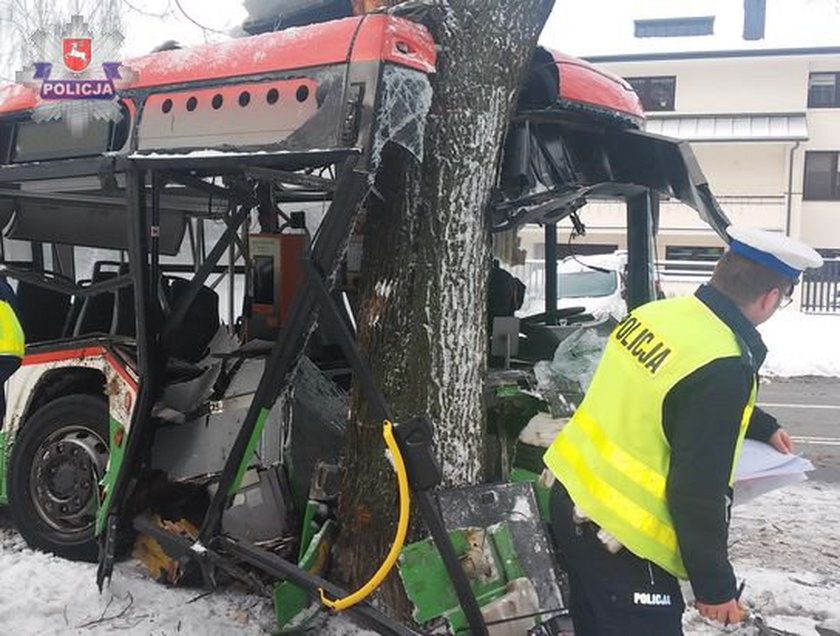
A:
(802, 344)
(45, 595)
(785, 544)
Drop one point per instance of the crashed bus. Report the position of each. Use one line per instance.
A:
(230, 186)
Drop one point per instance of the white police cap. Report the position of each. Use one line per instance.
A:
(780, 253)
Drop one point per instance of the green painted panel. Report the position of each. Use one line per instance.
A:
(289, 599)
(429, 587)
(503, 540)
(108, 480)
(308, 527)
(249, 451)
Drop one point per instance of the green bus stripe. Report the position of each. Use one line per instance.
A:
(249, 451)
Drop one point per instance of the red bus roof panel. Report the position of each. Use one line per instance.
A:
(582, 82)
(358, 39)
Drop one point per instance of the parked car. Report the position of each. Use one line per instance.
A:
(594, 282)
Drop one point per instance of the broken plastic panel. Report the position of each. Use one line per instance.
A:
(500, 539)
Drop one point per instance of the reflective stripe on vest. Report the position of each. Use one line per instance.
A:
(11, 334)
(613, 456)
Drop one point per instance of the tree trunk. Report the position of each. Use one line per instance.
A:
(426, 261)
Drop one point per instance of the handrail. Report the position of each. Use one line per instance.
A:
(402, 528)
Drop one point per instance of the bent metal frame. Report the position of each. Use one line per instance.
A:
(145, 178)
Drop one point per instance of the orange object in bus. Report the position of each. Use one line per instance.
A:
(278, 273)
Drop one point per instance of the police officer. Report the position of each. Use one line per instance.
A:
(11, 340)
(644, 468)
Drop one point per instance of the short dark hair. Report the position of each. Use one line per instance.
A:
(744, 280)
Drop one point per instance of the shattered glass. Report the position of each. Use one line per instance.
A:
(406, 97)
(564, 380)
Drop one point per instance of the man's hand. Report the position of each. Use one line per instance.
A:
(781, 441)
(728, 613)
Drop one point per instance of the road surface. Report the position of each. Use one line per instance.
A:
(809, 408)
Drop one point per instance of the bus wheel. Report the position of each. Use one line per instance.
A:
(57, 460)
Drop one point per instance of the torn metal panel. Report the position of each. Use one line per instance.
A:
(200, 446)
(513, 504)
(553, 168)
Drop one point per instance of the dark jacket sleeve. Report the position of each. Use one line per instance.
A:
(762, 425)
(7, 294)
(701, 418)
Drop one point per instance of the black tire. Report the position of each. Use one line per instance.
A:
(57, 460)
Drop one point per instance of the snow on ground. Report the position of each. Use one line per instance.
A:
(45, 595)
(785, 544)
(802, 344)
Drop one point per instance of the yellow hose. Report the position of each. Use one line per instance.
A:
(402, 528)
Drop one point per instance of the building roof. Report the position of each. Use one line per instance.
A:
(699, 55)
(723, 128)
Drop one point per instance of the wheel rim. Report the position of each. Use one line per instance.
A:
(64, 479)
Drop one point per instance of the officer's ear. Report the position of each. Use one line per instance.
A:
(771, 300)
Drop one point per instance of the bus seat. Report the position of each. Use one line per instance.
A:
(201, 323)
(110, 312)
(42, 312)
(97, 311)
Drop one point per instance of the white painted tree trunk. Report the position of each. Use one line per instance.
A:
(423, 317)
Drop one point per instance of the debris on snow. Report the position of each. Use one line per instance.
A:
(784, 544)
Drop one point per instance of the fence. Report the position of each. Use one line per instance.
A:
(821, 288)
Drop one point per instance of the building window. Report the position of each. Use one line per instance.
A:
(755, 16)
(675, 27)
(822, 90)
(822, 181)
(688, 259)
(656, 93)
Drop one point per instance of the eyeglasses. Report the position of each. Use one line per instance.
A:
(786, 295)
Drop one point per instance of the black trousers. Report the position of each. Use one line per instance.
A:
(8, 365)
(612, 594)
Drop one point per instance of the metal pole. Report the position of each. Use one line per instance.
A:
(138, 252)
(639, 283)
(789, 206)
(551, 271)
(231, 278)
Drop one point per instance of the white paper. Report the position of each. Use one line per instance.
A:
(761, 468)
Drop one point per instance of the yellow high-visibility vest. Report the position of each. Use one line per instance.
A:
(613, 456)
(11, 333)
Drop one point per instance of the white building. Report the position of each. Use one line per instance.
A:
(755, 87)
